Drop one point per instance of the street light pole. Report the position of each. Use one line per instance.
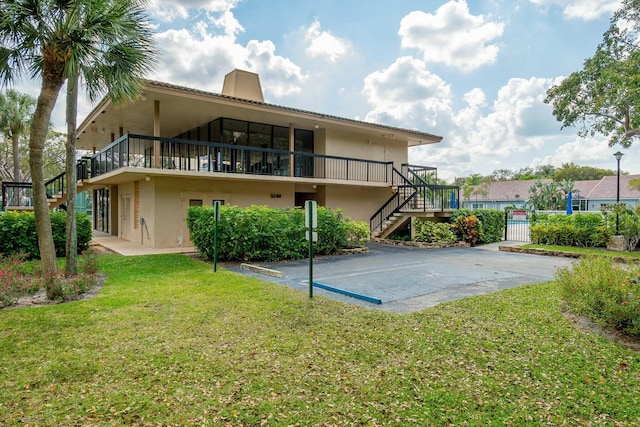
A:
(618, 155)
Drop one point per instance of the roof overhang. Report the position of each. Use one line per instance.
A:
(181, 109)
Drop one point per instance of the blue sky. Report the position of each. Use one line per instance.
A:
(474, 72)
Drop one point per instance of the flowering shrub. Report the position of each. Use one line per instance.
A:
(468, 228)
(604, 291)
(490, 224)
(19, 277)
(64, 288)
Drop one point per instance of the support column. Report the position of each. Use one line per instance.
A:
(156, 133)
(292, 147)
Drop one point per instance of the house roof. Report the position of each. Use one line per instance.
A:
(183, 108)
(605, 188)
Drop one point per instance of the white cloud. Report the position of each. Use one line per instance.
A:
(582, 9)
(478, 138)
(169, 10)
(580, 151)
(517, 122)
(197, 60)
(452, 36)
(278, 75)
(407, 94)
(201, 60)
(324, 44)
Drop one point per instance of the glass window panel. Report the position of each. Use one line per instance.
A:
(234, 131)
(259, 135)
(204, 133)
(215, 132)
(304, 141)
(281, 138)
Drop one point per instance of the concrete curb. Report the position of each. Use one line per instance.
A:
(262, 270)
(546, 252)
(521, 250)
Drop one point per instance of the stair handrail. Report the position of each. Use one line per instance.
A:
(394, 204)
(432, 188)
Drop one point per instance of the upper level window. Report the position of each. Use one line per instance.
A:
(304, 141)
(235, 131)
(252, 134)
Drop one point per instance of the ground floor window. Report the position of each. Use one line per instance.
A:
(102, 207)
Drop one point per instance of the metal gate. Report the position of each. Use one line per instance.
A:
(516, 228)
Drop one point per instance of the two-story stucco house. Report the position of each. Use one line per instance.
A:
(176, 147)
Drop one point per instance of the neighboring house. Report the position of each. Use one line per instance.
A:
(589, 195)
(177, 147)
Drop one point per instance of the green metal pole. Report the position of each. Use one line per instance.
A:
(215, 248)
(310, 213)
(216, 217)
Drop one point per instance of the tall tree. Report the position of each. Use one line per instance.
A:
(57, 39)
(17, 111)
(604, 97)
(475, 184)
(126, 57)
(54, 157)
(550, 195)
(574, 172)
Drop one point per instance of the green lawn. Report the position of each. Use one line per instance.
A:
(168, 342)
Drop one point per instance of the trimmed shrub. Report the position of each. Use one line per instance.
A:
(468, 228)
(268, 234)
(491, 224)
(604, 291)
(434, 232)
(578, 229)
(18, 233)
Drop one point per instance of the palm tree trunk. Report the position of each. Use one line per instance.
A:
(71, 248)
(15, 139)
(39, 127)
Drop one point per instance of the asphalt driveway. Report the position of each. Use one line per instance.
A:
(407, 279)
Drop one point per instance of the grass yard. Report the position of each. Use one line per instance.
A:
(168, 342)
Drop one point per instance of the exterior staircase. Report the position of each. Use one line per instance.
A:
(413, 197)
(18, 196)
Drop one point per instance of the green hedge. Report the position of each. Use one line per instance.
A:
(491, 223)
(18, 233)
(434, 232)
(579, 229)
(268, 234)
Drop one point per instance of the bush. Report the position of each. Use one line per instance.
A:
(268, 234)
(628, 224)
(358, 234)
(13, 280)
(434, 232)
(468, 228)
(18, 233)
(491, 224)
(19, 277)
(578, 229)
(604, 291)
(64, 288)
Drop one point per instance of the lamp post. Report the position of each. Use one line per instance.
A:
(618, 155)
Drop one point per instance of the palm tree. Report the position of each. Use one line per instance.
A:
(17, 110)
(106, 41)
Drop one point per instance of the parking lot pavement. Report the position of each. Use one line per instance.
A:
(408, 279)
